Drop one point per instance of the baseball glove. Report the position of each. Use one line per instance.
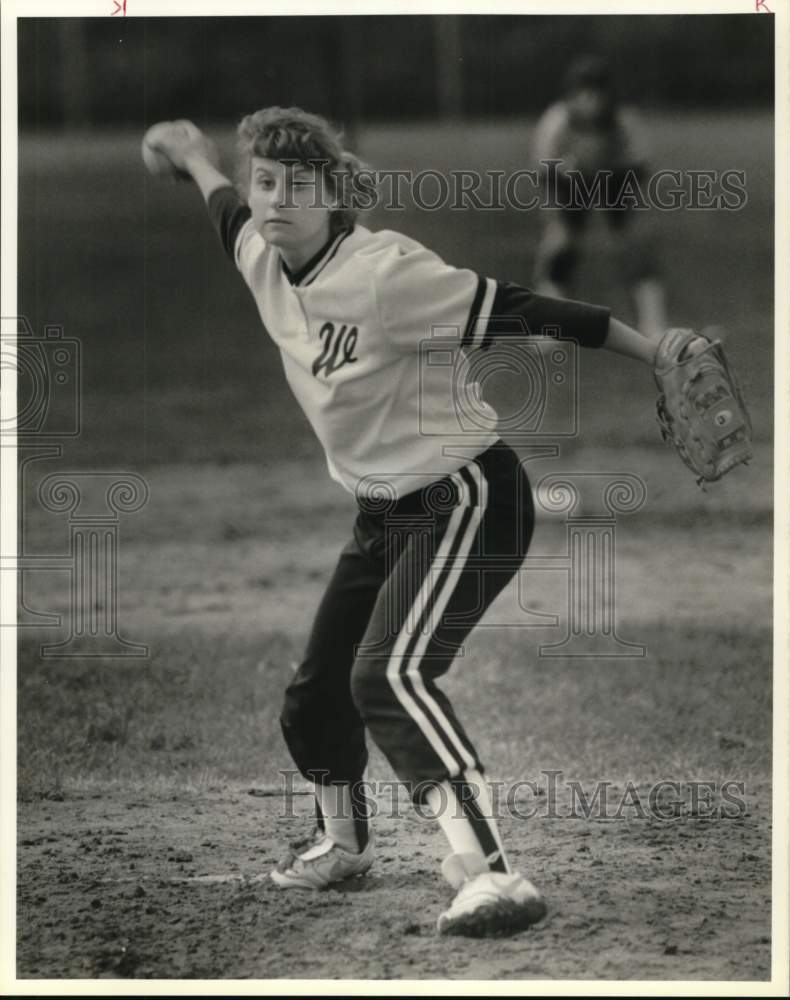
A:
(700, 407)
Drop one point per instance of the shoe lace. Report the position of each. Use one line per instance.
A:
(302, 843)
(299, 846)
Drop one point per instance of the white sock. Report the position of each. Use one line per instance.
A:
(334, 801)
(466, 817)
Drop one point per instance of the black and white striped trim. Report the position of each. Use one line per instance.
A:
(307, 274)
(403, 668)
(319, 267)
(486, 833)
(479, 314)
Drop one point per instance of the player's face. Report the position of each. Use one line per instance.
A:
(290, 207)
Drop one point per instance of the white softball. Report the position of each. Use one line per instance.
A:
(157, 162)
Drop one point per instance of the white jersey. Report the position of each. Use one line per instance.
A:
(374, 333)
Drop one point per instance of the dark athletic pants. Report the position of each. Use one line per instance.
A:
(411, 584)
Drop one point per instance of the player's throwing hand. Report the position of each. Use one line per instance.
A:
(169, 146)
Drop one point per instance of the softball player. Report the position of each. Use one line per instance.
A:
(588, 132)
(441, 529)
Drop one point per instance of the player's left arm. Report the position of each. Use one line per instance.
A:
(418, 294)
(624, 339)
(517, 311)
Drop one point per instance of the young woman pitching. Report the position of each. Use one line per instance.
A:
(444, 520)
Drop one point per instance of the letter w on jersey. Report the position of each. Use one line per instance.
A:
(337, 350)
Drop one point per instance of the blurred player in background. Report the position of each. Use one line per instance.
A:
(597, 142)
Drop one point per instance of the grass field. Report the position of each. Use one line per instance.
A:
(175, 366)
(139, 840)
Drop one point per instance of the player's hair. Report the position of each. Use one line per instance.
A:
(294, 135)
(589, 71)
(593, 72)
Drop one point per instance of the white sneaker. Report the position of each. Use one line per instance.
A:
(488, 904)
(321, 865)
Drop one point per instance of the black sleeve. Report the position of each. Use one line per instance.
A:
(517, 311)
(228, 213)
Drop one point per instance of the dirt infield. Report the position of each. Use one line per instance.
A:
(143, 854)
(115, 884)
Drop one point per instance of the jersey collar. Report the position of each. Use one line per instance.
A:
(308, 272)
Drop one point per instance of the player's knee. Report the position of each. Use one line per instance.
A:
(369, 684)
(645, 269)
(296, 732)
(299, 709)
(291, 729)
(562, 264)
(639, 258)
(557, 260)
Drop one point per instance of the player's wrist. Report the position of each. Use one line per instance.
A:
(624, 339)
(201, 157)
(649, 352)
(194, 159)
